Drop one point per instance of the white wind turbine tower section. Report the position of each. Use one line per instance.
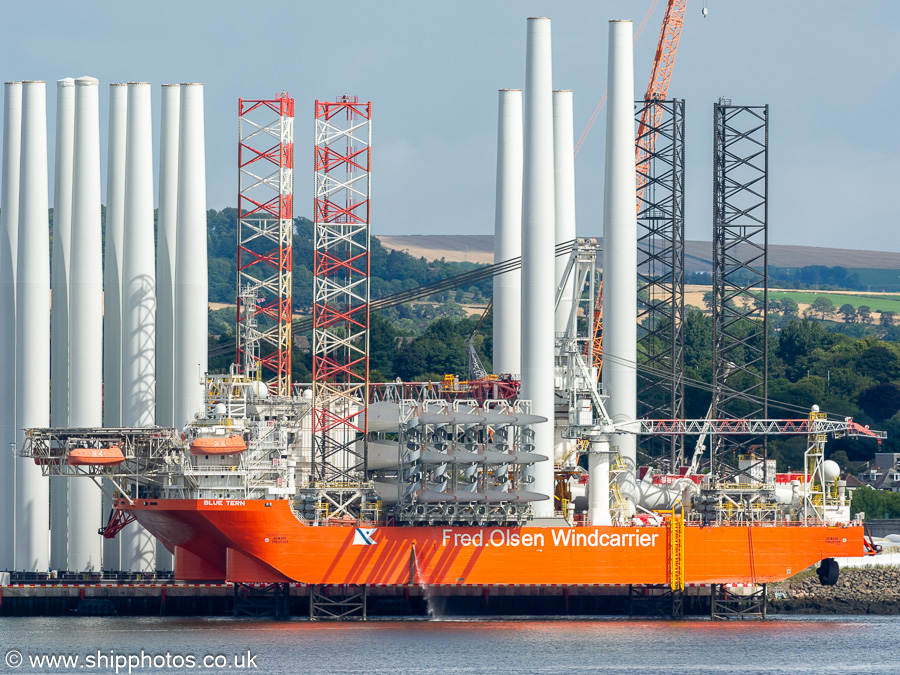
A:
(538, 244)
(620, 249)
(138, 268)
(9, 237)
(191, 285)
(166, 224)
(32, 329)
(564, 203)
(59, 305)
(564, 195)
(138, 299)
(112, 273)
(507, 294)
(165, 253)
(112, 282)
(86, 312)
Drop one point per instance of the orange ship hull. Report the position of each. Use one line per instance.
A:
(263, 542)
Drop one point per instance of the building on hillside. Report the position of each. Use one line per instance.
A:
(887, 460)
(883, 472)
(871, 475)
(852, 481)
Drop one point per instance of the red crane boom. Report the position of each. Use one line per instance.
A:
(658, 89)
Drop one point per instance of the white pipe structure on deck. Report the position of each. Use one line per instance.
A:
(59, 305)
(620, 250)
(112, 282)
(191, 284)
(9, 237)
(32, 330)
(564, 196)
(165, 255)
(538, 246)
(598, 483)
(138, 300)
(507, 310)
(86, 312)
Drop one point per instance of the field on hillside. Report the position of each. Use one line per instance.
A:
(877, 302)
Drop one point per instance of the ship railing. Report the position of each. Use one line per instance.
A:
(269, 465)
(808, 522)
(324, 519)
(741, 487)
(341, 485)
(580, 521)
(213, 470)
(350, 521)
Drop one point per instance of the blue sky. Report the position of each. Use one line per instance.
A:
(827, 69)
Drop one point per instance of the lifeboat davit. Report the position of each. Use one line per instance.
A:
(46, 461)
(218, 445)
(109, 456)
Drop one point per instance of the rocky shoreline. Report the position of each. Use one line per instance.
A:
(871, 590)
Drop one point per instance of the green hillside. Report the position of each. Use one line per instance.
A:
(391, 271)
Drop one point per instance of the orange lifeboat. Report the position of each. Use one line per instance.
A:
(110, 456)
(218, 445)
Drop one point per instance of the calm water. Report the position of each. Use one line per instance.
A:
(795, 645)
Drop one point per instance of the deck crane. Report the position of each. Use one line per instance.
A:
(477, 371)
